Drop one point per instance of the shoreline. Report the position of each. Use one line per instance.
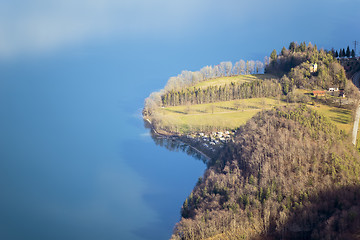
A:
(179, 138)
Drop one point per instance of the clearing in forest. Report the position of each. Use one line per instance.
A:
(340, 117)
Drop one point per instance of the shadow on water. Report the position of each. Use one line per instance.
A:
(174, 144)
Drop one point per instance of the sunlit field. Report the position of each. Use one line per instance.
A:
(227, 115)
(235, 79)
(230, 115)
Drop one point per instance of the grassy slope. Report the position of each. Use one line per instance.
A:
(222, 115)
(340, 117)
(235, 79)
(232, 114)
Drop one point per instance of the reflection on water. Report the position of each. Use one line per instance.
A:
(174, 144)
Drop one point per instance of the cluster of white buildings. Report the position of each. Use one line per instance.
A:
(334, 89)
(212, 139)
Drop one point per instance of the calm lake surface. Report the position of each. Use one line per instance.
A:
(76, 161)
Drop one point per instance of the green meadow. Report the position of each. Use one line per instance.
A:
(227, 115)
(235, 79)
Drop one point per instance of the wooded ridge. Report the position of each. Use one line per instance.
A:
(289, 172)
(280, 179)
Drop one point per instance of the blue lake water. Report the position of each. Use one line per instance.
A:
(76, 161)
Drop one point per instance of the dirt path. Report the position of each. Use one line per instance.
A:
(356, 81)
(356, 125)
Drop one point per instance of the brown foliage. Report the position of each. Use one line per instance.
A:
(279, 164)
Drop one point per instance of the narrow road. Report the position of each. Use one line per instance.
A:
(356, 81)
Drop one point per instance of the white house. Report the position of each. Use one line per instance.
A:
(313, 68)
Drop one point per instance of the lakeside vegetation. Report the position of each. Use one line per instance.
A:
(290, 171)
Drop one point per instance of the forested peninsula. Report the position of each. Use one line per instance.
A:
(278, 135)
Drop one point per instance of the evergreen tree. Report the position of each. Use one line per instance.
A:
(302, 47)
(333, 52)
(336, 54)
(352, 53)
(348, 52)
(273, 55)
(343, 53)
(292, 46)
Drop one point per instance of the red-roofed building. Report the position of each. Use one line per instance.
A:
(319, 93)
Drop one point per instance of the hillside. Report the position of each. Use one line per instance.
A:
(229, 115)
(216, 99)
(221, 81)
(281, 177)
(281, 165)
(211, 117)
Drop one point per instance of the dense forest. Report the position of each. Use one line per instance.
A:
(304, 66)
(288, 174)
